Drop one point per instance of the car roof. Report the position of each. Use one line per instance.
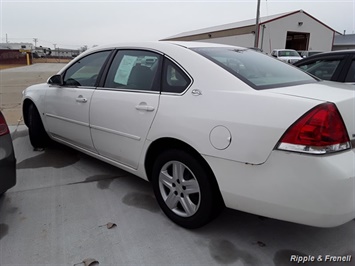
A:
(325, 54)
(349, 51)
(201, 44)
(161, 44)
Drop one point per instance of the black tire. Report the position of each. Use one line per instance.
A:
(38, 135)
(193, 186)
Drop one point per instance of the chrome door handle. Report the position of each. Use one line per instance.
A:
(145, 108)
(81, 99)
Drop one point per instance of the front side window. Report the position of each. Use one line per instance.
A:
(134, 70)
(85, 71)
(256, 69)
(323, 68)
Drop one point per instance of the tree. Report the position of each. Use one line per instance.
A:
(83, 48)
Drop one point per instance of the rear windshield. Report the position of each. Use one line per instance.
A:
(258, 70)
(288, 53)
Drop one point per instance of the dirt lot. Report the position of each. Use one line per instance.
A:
(14, 80)
(37, 61)
(51, 60)
(9, 66)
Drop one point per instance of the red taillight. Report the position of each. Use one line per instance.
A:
(3, 126)
(319, 131)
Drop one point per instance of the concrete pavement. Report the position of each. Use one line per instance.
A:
(58, 212)
(14, 80)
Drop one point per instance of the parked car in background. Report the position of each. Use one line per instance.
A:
(209, 126)
(286, 55)
(7, 158)
(335, 66)
(305, 54)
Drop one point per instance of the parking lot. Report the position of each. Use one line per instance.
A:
(68, 207)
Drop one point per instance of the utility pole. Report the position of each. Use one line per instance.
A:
(6, 39)
(35, 40)
(257, 25)
(56, 53)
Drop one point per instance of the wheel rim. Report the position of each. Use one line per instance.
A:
(179, 189)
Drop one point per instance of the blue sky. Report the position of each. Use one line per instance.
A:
(71, 24)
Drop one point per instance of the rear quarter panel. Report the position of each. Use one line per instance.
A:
(255, 119)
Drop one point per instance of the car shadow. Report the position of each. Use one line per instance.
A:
(284, 239)
(56, 156)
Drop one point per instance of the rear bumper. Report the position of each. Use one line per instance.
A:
(311, 190)
(7, 164)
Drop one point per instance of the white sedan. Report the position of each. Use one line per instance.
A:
(210, 126)
(286, 55)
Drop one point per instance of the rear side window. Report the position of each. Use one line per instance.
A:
(174, 80)
(323, 69)
(256, 69)
(350, 77)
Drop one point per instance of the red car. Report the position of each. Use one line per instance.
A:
(7, 158)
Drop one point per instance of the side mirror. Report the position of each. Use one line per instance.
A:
(55, 80)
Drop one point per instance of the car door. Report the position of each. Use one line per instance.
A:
(67, 106)
(123, 109)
